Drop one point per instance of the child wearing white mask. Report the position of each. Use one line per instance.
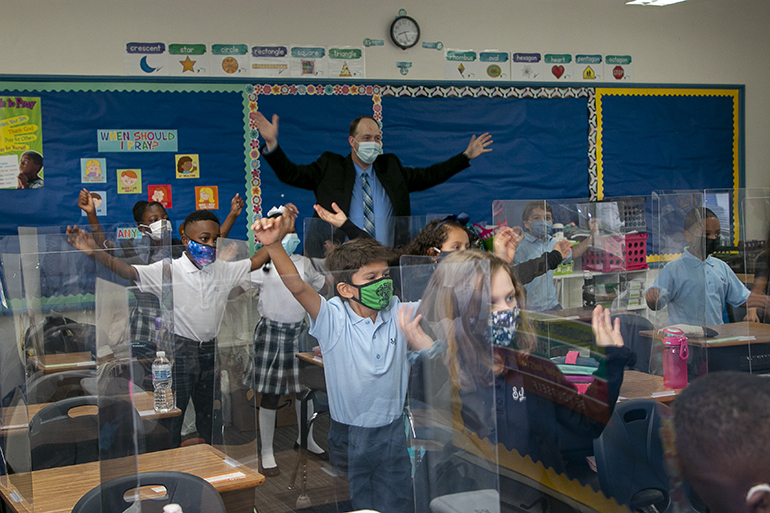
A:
(276, 341)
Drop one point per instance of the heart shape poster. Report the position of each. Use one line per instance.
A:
(557, 71)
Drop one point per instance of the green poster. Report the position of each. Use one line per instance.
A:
(21, 143)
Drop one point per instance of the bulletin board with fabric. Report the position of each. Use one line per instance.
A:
(549, 142)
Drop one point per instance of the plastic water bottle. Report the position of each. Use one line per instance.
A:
(675, 353)
(161, 383)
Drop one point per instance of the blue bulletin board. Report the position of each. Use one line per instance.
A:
(549, 142)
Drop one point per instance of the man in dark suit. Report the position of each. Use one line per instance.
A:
(371, 188)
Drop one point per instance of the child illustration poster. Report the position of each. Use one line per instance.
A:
(207, 198)
(129, 181)
(93, 170)
(100, 202)
(187, 166)
(160, 193)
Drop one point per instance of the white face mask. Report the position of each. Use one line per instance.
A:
(368, 151)
(157, 228)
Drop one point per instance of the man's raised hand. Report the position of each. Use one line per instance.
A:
(478, 145)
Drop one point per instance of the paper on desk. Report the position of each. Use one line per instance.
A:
(731, 339)
(232, 476)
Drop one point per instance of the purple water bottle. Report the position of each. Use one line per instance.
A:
(675, 354)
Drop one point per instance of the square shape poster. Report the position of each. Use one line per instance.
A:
(207, 197)
(160, 193)
(93, 170)
(187, 166)
(129, 181)
(100, 202)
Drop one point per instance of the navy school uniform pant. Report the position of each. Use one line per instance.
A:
(194, 376)
(377, 464)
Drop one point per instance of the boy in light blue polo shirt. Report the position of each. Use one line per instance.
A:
(538, 221)
(365, 363)
(696, 285)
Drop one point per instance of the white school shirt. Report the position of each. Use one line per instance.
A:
(275, 301)
(200, 295)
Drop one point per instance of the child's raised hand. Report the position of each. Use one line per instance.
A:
(236, 205)
(415, 336)
(86, 202)
(605, 333)
(563, 247)
(336, 219)
(505, 243)
(81, 240)
(268, 230)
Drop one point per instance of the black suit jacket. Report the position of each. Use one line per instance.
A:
(332, 177)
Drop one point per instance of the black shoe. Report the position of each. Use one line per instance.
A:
(269, 472)
(324, 456)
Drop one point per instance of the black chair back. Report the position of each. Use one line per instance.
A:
(192, 493)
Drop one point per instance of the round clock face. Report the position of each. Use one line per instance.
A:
(405, 32)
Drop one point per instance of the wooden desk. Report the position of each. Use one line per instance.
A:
(52, 363)
(59, 489)
(640, 385)
(741, 346)
(16, 420)
(733, 334)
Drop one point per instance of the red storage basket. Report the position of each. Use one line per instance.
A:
(617, 252)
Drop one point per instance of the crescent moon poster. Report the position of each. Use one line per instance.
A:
(146, 59)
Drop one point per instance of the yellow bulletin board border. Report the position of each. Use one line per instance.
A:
(734, 93)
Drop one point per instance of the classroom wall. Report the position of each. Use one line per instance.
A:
(698, 41)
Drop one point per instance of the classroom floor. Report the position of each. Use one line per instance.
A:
(274, 496)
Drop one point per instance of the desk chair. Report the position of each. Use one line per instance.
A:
(56, 439)
(629, 456)
(193, 493)
(49, 388)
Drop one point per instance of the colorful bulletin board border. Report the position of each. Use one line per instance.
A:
(377, 92)
(733, 93)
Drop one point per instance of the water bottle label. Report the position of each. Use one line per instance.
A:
(161, 375)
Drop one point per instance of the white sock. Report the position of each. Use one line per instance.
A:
(311, 445)
(266, 432)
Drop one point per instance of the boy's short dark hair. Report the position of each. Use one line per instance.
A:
(724, 417)
(345, 260)
(199, 215)
(697, 215)
(532, 205)
(355, 122)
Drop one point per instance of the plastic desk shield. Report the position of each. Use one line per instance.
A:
(755, 213)
(688, 286)
(453, 384)
(395, 232)
(16, 478)
(124, 408)
(234, 414)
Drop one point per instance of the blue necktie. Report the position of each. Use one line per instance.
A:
(368, 206)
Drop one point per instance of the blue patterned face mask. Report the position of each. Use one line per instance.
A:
(290, 243)
(503, 326)
(201, 254)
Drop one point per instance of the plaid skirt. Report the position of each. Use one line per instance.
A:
(276, 369)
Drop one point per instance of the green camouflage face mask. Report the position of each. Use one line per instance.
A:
(375, 294)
